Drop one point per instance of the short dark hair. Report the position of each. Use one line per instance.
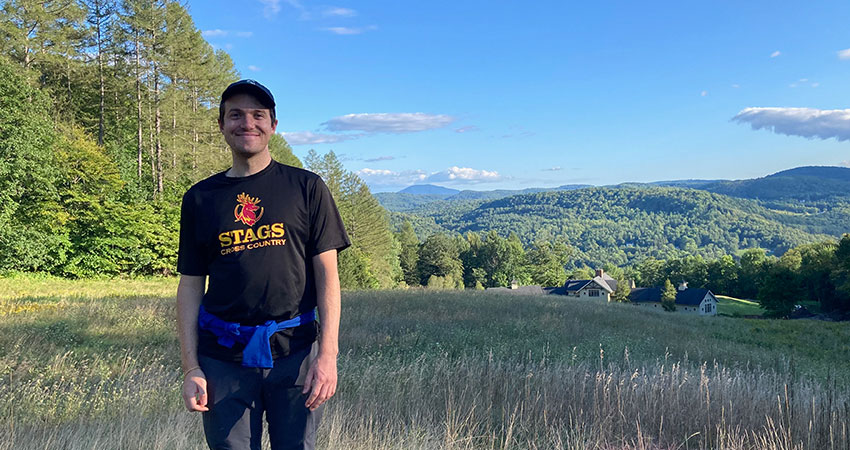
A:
(253, 88)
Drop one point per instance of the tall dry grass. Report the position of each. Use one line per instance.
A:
(424, 370)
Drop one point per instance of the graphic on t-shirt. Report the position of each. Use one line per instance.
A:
(246, 209)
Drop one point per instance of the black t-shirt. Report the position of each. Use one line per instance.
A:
(255, 237)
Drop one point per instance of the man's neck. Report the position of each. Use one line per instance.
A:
(243, 167)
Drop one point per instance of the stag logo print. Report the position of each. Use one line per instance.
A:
(246, 210)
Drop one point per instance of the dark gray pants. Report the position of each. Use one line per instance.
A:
(238, 396)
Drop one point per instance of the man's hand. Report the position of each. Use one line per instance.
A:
(321, 381)
(195, 391)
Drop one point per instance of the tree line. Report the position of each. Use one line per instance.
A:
(108, 114)
(816, 273)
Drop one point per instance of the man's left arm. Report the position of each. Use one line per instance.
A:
(322, 376)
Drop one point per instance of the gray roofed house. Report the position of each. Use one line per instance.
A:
(599, 288)
(693, 300)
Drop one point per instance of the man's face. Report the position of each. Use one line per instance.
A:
(247, 125)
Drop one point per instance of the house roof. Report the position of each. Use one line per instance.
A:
(688, 297)
(577, 285)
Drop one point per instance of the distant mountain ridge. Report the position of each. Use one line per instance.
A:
(807, 184)
(428, 189)
(811, 184)
(624, 223)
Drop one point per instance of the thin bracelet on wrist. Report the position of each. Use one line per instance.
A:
(190, 370)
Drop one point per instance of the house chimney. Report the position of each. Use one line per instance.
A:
(683, 286)
(600, 273)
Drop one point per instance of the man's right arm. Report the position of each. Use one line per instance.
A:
(190, 291)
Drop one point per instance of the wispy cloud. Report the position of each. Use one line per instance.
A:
(215, 33)
(335, 11)
(844, 54)
(383, 177)
(553, 169)
(253, 68)
(388, 122)
(310, 138)
(271, 7)
(465, 175)
(380, 158)
(345, 31)
(452, 175)
(845, 163)
(736, 86)
(466, 129)
(806, 122)
(226, 33)
(803, 82)
(775, 54)
(703, 93)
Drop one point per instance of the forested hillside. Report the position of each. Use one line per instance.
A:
(620, 225)
(817, 188)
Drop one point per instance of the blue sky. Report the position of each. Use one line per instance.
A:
(487, 95)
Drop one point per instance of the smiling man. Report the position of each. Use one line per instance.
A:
(265, 236)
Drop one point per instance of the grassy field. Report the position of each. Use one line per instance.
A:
(94, 365)
(737, 307)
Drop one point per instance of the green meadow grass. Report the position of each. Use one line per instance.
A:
(737, 307)
(94, 364)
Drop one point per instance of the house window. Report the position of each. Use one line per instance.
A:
(707, 307)
(593, 293)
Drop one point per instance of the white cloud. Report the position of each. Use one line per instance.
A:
(553, 169)
(380, 158)
(806, 122)
(703, 93)
(803, 81)
(845, 163)
(270, 7)
(736, 86)
(376, 172)
(388, 122)
(226, 33)
(844, 54)
(310, 138)
(383, 177)
(466, 129)
(343, 31)
(464, 175)
(215, 33)
(335, 11)
(253, 68)
(775, 54)
(452, 175)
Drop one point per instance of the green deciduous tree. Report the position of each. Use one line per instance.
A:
(32, 234)
(409, 254)
(440, 257)
(668, 296)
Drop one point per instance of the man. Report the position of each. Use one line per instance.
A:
(267, 236)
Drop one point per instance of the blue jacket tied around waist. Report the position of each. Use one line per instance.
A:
(258, 350)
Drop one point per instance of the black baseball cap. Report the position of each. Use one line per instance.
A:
(252, 87)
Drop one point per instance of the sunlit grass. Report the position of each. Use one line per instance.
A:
(738, 307)
(447, 370)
